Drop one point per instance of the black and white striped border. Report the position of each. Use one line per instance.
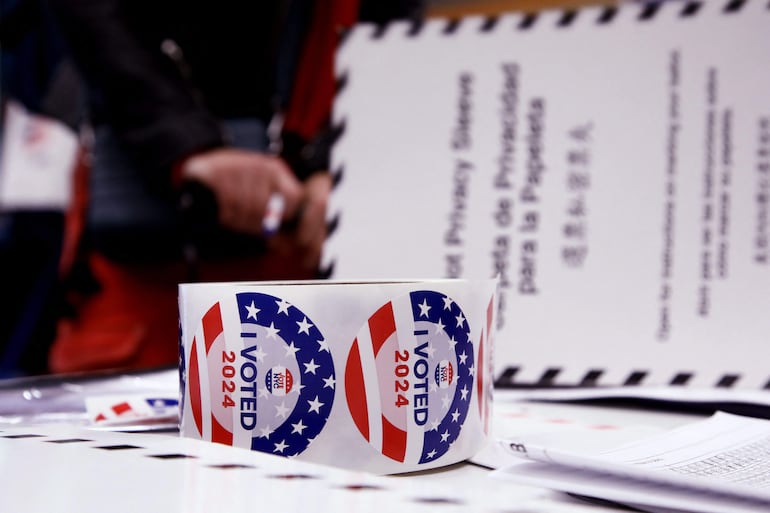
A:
(249, 465)
(647, 11)
(549, 377)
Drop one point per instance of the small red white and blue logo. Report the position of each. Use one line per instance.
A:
(413, 407)
(279, 380)
(444, 374)
(277, 383)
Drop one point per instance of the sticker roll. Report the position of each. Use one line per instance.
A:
(384, 377)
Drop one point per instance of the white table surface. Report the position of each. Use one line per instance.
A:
(65, 468)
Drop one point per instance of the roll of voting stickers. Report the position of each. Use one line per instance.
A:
(385, 377)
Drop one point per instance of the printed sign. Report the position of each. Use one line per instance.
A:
(610, 165)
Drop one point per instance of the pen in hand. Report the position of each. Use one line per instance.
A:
(273, 214)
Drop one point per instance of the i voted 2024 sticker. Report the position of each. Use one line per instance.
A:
(277, 383)
(410, 375)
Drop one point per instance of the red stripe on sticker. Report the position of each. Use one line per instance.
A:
(381, 326)
(393, 441)
(121, 408)
(480, 376)
(219, 433)
(212, 326)
(193, 381)
(490, 310)
(355, 391)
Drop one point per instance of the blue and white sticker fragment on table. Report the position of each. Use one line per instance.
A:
(385, 377)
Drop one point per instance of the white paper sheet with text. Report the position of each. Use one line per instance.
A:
(612, 166)
(726, 456)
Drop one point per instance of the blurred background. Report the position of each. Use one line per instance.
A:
(44, 158)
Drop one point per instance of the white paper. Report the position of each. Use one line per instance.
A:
(699, 399)
(38, 161)
(723, 460)
(60, 469)
(652, 497)
(612, 170)
(129, 412)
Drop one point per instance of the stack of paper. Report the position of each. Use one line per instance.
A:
(717, 465)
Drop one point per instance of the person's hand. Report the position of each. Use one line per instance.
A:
(306, 240)
(311, 232)
(242, 182)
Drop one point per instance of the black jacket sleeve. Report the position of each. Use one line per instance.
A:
(140, 89)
